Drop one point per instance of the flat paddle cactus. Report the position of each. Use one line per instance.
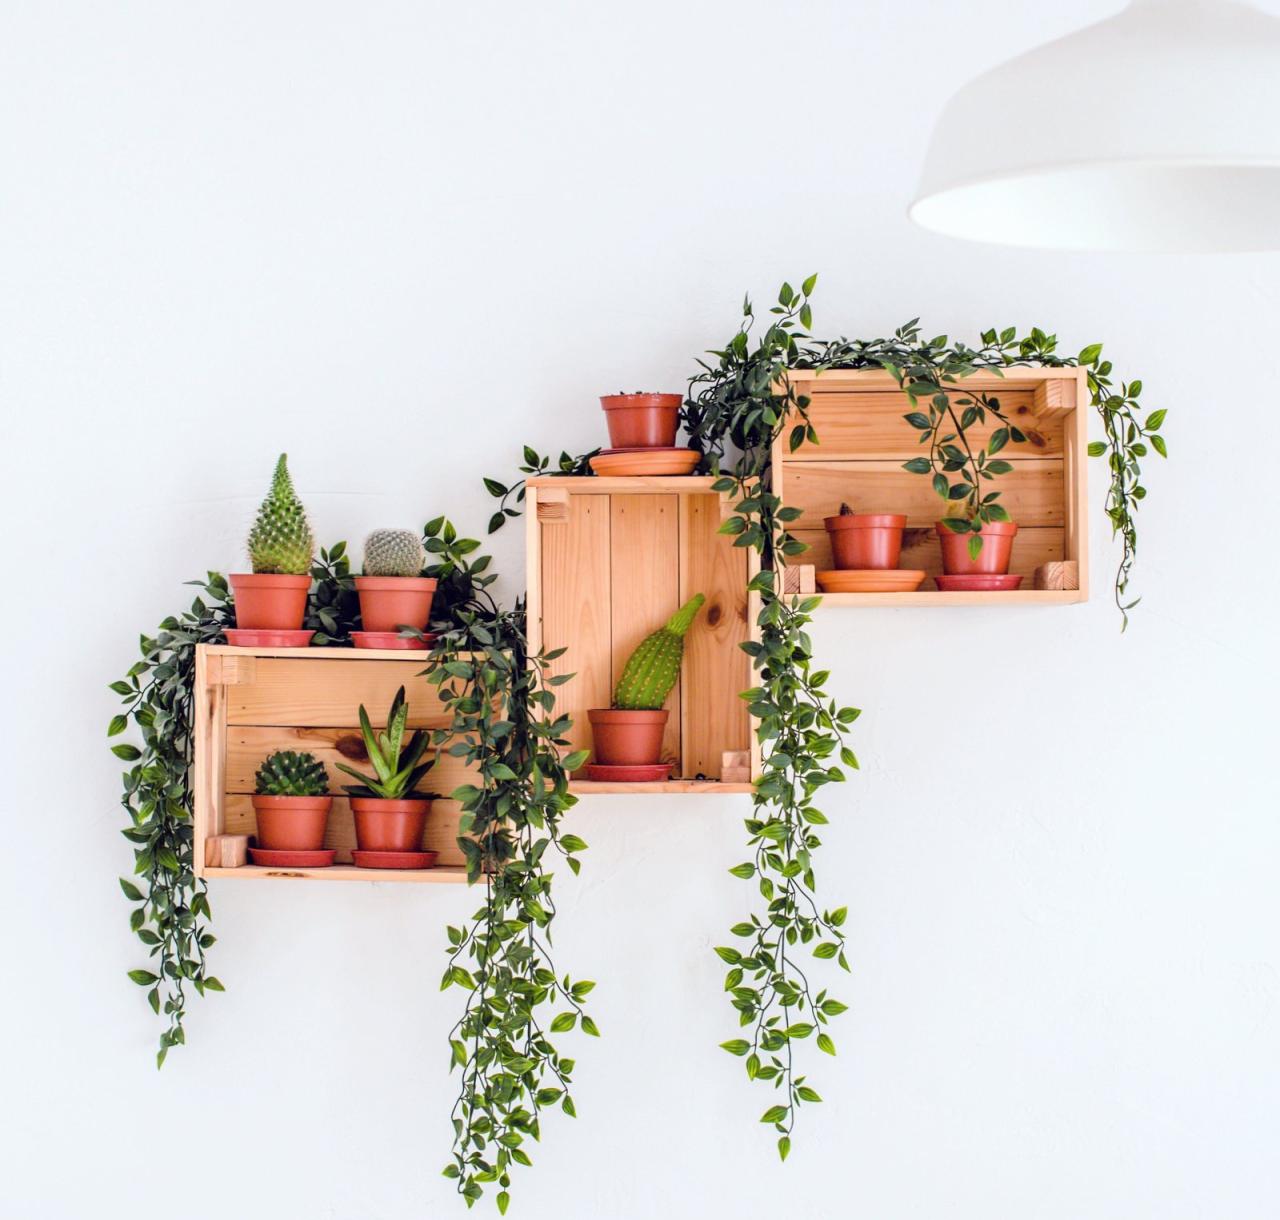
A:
(654, 667)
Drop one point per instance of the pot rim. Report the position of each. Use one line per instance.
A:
(399, 804)
(266, 580)
(626, 715)
(390, 584)
(297, 802)
(866, 521)
(989, 528)
(619, 402)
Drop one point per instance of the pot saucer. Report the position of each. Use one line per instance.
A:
(392, 639)
(247, 637)
(394, 859)
(270, 857)
(871, 580)
(628, 463)
(975, 582)
(600, 773)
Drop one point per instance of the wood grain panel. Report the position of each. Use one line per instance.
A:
(716, 670)
(441, 833)
(1033, 492)
(645, 587)
(870, 425)
(920, 549)
(575, 588)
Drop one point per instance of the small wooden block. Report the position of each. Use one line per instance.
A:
(735, 767)
(226, 851)
(1063, 574)
(800, 578)
(231, 671)
(553, 504)
(1053, 398)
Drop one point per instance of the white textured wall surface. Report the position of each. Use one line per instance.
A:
(399, 239)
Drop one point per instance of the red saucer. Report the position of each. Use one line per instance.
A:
(978, 582)
(602, 774)
(245, 637)
(272, 858)
(394, 859)
(392, 639)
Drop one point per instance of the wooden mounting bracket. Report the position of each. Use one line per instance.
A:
(735, 767)
(800, 578)
(226, 851)
(230, 671)
(552, 504)
(1062, 574)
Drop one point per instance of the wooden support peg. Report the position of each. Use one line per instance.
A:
(800, 578)
(735, 767)
(221, 670)
(226, 851)
(1062, 574)
(553, 504)
(1053, 398)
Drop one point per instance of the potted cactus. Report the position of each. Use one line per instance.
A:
(642, 420)
(865, 541)
(628, 735)
(273, 597)
(393, 592)
(389, 814)
(291, 801)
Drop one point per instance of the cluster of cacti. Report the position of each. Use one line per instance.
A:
(281, 539)
(291, 773)
(395, 761)
(654, 668)
(394, 553)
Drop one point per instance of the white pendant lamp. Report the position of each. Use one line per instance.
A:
(1158, 129)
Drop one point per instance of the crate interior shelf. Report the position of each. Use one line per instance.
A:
(863, 442)
(253, 701)
(609, 561)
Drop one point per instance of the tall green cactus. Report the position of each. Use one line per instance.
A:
(654, 667)
(281, 539)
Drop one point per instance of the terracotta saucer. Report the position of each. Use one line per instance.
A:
(871, 580)
(272, 858)
(394, 859)
(392, 639)
(244, 637)
(601, 774)
(627, 463)
(977, 582)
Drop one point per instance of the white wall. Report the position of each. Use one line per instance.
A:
(399, 239)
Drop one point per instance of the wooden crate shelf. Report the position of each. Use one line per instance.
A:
(863, 442)
(610, 560)
(250, 702)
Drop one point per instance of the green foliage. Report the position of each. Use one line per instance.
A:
(502, 704)
(281, 538)
(393, 553)
(291, 773)
(171, 918)
(333, 608)
(653, 669)
(511, 498)
(397, 772)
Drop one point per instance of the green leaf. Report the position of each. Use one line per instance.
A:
(728, 954)
(1157, 443)
(745, 871)
(1097, 448)
(738, 1046)
(565, 1021)
(144, 978)
(127, 752)
(774, 1114)
(131, 891)
(825, 1044)
(784, 1146)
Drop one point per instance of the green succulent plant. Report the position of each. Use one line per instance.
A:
(654, 668)
(281, 540)
(394, 553)
(291, 773)
(395, 763)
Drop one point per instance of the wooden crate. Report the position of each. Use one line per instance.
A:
(250, 702)
(863, 442)
(609, 560)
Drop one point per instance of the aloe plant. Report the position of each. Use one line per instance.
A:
(395, 763)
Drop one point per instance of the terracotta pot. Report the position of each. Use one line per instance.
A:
(642, 421)
(292, 823)
(866, 541)
(388, 603)
(993, 559)
(627, 738)
(270, 600)
(389, 825)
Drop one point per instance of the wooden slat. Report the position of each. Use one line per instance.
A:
(644, 586)
(575, 587)
(715, 668)
(921, 549)
(1032, 492)
(303, 690)
(710, 787)
(932, 597)
(441, 834)
(1016, 377)
(338, 872)
(650, 484)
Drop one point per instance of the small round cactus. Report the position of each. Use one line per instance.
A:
(393, 553)
(291, 773)
(281, 540)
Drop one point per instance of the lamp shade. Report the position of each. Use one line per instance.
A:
(1158, 129)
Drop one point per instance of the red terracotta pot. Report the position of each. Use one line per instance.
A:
(642, 421)
(270, 600)
(389, 825)
(388, 603)
(627, 738)
(993, 559)
(866, 540)
(292, 823)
